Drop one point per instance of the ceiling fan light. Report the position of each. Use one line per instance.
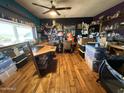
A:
(53, 13)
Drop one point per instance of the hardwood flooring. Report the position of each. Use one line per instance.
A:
(68, 73)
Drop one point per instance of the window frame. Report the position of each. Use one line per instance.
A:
(16, 34)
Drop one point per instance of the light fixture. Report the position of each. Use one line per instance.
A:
(53, 13)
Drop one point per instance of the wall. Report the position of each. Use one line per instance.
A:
(19, 10)
(111, 11)
(68, 21)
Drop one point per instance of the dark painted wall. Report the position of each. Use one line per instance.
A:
(18, 11)
(111, 11)
(68, 21)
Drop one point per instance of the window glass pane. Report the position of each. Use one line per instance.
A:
(11, 33)
(24, 33)
(7, 35)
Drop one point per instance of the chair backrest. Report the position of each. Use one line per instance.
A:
(67, 45)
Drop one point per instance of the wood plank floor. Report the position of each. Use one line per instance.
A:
(68, 73)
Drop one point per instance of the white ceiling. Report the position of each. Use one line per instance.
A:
(80, 8)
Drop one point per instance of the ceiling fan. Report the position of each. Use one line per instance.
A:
(52, 8)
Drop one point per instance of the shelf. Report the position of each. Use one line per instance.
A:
(18, 55)
(114, 19)
(21, 60)
(115, 29)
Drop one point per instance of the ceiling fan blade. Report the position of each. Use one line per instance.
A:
(41, 6)
(57, 12)
(63, 8)
(46, 12)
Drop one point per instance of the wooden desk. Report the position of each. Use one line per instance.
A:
(45, 49)
(119, 47)
(116, 49)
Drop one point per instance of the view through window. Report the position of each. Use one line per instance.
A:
(12, 33)
(24, 33)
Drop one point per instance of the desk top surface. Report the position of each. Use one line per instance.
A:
(121, 47)
(45, 49)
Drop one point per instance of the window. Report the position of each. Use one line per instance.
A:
(11, 33)
(7, 34)
(24, 33)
